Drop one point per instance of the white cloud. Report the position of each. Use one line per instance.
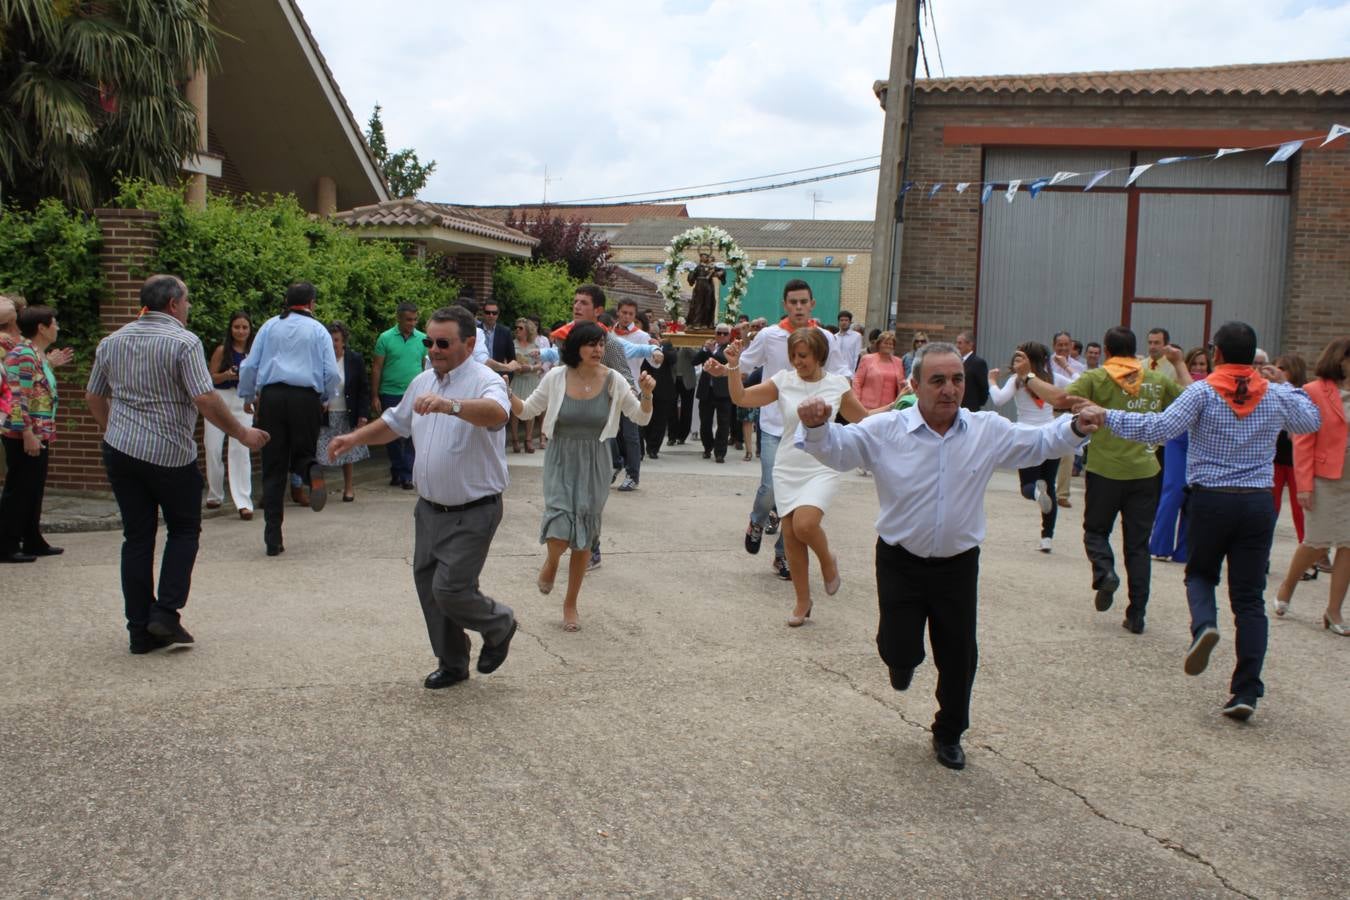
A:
(617, 97)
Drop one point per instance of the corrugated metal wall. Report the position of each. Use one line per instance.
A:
(1057, 262)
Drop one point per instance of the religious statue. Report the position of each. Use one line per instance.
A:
(705, 278)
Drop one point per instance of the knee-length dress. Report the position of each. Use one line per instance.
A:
(798, 478)
(576, 473)
(1327, 524)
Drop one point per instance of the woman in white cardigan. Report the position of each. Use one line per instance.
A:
(581, 401)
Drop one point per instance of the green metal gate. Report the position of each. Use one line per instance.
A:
(765, 297)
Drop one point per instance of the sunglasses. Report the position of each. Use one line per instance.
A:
(443, 343)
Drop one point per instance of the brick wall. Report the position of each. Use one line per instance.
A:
(475, 269)
(940, 261)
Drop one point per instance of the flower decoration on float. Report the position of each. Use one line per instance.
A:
(708, 239)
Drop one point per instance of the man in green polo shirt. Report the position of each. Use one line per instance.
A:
(1121, 475)
(399, 353)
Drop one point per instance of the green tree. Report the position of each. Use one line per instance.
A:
(542, 289)
(403, 171)
(90, 91)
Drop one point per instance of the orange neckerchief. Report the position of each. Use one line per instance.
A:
(1125, 371)
(621, 331)
(1241, 387)
(560, 334)
(786, 324)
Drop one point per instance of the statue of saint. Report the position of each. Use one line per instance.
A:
(705, 278)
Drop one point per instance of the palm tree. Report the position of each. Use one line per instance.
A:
(93, 89)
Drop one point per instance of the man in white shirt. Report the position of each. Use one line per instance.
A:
(932, 463)
(769, 351)
(850, 342)
(626, 328)
(1064, 363)
(454, 413)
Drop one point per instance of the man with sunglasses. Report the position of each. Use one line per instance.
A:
(454, 413)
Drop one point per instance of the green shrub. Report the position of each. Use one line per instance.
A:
(243, 253)
(542, 289)
(50, 255)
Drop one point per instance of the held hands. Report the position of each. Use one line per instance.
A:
(647, 384)
(254, 438)
(715, 368)
(814, 412)
(1021, 366)
(1077, 403)
(1090, 418)
(733, 353)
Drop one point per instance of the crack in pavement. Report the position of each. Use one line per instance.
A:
(545, 647)
(1164, 842)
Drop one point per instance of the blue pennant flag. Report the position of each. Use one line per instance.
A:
(1037, 186)
(986, 193)
(660, 267)
(937, 187)
(905, 190)
(782, 263)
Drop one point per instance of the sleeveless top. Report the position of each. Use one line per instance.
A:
(235, 359)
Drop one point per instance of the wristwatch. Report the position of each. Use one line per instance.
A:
(1073, 426)
(455, 407)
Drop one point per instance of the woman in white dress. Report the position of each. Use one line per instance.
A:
(802, 487)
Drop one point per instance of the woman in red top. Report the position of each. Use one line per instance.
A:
(880, 377)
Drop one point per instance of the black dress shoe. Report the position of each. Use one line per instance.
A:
(950, 755)
(18, 556)
(653, 454)
(444, 678)
(174, 633)
(395, 481)
(492, 656)
(275, 549)
(148, 643)
(900, 678)
(409, 486)
(318, 491)
(1106, 593)
(1240, 708)
(48, 550)
(754, 537)
(707, 454)
(1133, 624)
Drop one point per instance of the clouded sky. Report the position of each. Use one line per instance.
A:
(624, 96)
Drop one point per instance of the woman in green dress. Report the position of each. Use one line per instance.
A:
(581, 401)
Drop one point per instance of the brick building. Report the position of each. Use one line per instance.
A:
(1188, 246)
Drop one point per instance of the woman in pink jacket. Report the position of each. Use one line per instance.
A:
(880, 376)
(1320, 463)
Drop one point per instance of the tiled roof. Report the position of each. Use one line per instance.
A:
(601, 215)
(762, 234)
(1322, 77)
(411, 212)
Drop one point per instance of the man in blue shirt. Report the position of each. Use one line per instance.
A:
(289, 375)
(1233, 418)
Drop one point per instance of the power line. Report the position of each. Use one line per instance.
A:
(937, 41)
(752, 190)
(693, 187)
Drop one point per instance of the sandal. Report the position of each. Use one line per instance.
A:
(747, 456)
(529, 448)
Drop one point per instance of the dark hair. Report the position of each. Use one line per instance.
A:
(1078, 345)
(1057, 336)
(1039, 356)
(1237, 342)
(606, 319)
(832, 329)
(1332, 360)
(1091, 344)
(337, 326)
(594, 292)
(1167, 338)
(490, 302)
(796, 284)
(462, 318)
(812, 338)
(406, 308)
(583, 334)
(644, 323)
(1119, 341)
(874, 334)
(34, 316)
(228, 342)
(844, 312)
(466, 301)
(1199, 351)
(626, 301)
(301, 293)
(161, 290)
(1294, 367)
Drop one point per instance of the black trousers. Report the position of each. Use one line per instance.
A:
(143, 489)
(723, 409)
(21, 502)
(681, 415)
(1047, 471)
(291, 416)
(1135, 500)
(940, 592)
(663, 404)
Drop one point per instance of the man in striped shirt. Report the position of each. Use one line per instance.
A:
(147, 385)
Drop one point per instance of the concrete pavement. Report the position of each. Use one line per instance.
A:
(684, 743)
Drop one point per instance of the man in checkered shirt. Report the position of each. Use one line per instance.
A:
(1233, 418)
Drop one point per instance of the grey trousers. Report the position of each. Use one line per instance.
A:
(449, 550)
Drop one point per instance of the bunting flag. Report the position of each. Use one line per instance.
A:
(851, 257)
(1227, 150)
(1037, 186)
(986, 193)
(660, 267)
(937, 187)
(1287, 149)
(759, 264)
(1011, 194)
(905, 190)
(806, 261)
(1335, 132)
(1062, 176)
(961, 186)
(782, 263)
(829, 260)
(1136, 172)
(1097, 176)
(1168, 160)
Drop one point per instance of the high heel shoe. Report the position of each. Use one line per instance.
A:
(1334, 627)
(799, 621)
(1282, 606)
(515, 446)
(832, 586)
(529, 447)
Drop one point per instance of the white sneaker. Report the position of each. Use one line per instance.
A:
(1045, 498)
(1045, 545)
(863, 472)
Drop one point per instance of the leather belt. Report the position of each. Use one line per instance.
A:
(1229, 490)
(481, 501)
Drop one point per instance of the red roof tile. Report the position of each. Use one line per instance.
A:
(604, 215)
(409, 211)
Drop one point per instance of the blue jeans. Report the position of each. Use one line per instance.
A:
(1168, 539)
(1239, 527)
(400, 449)
(768, 451)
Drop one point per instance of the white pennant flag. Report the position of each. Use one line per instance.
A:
(806, 261)
(961, 187)
(1287, 149)
(1335, 132)
(1092, 182)
(1224, 151)
(1011, 193)
(1136, 172)
(1062, 176)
